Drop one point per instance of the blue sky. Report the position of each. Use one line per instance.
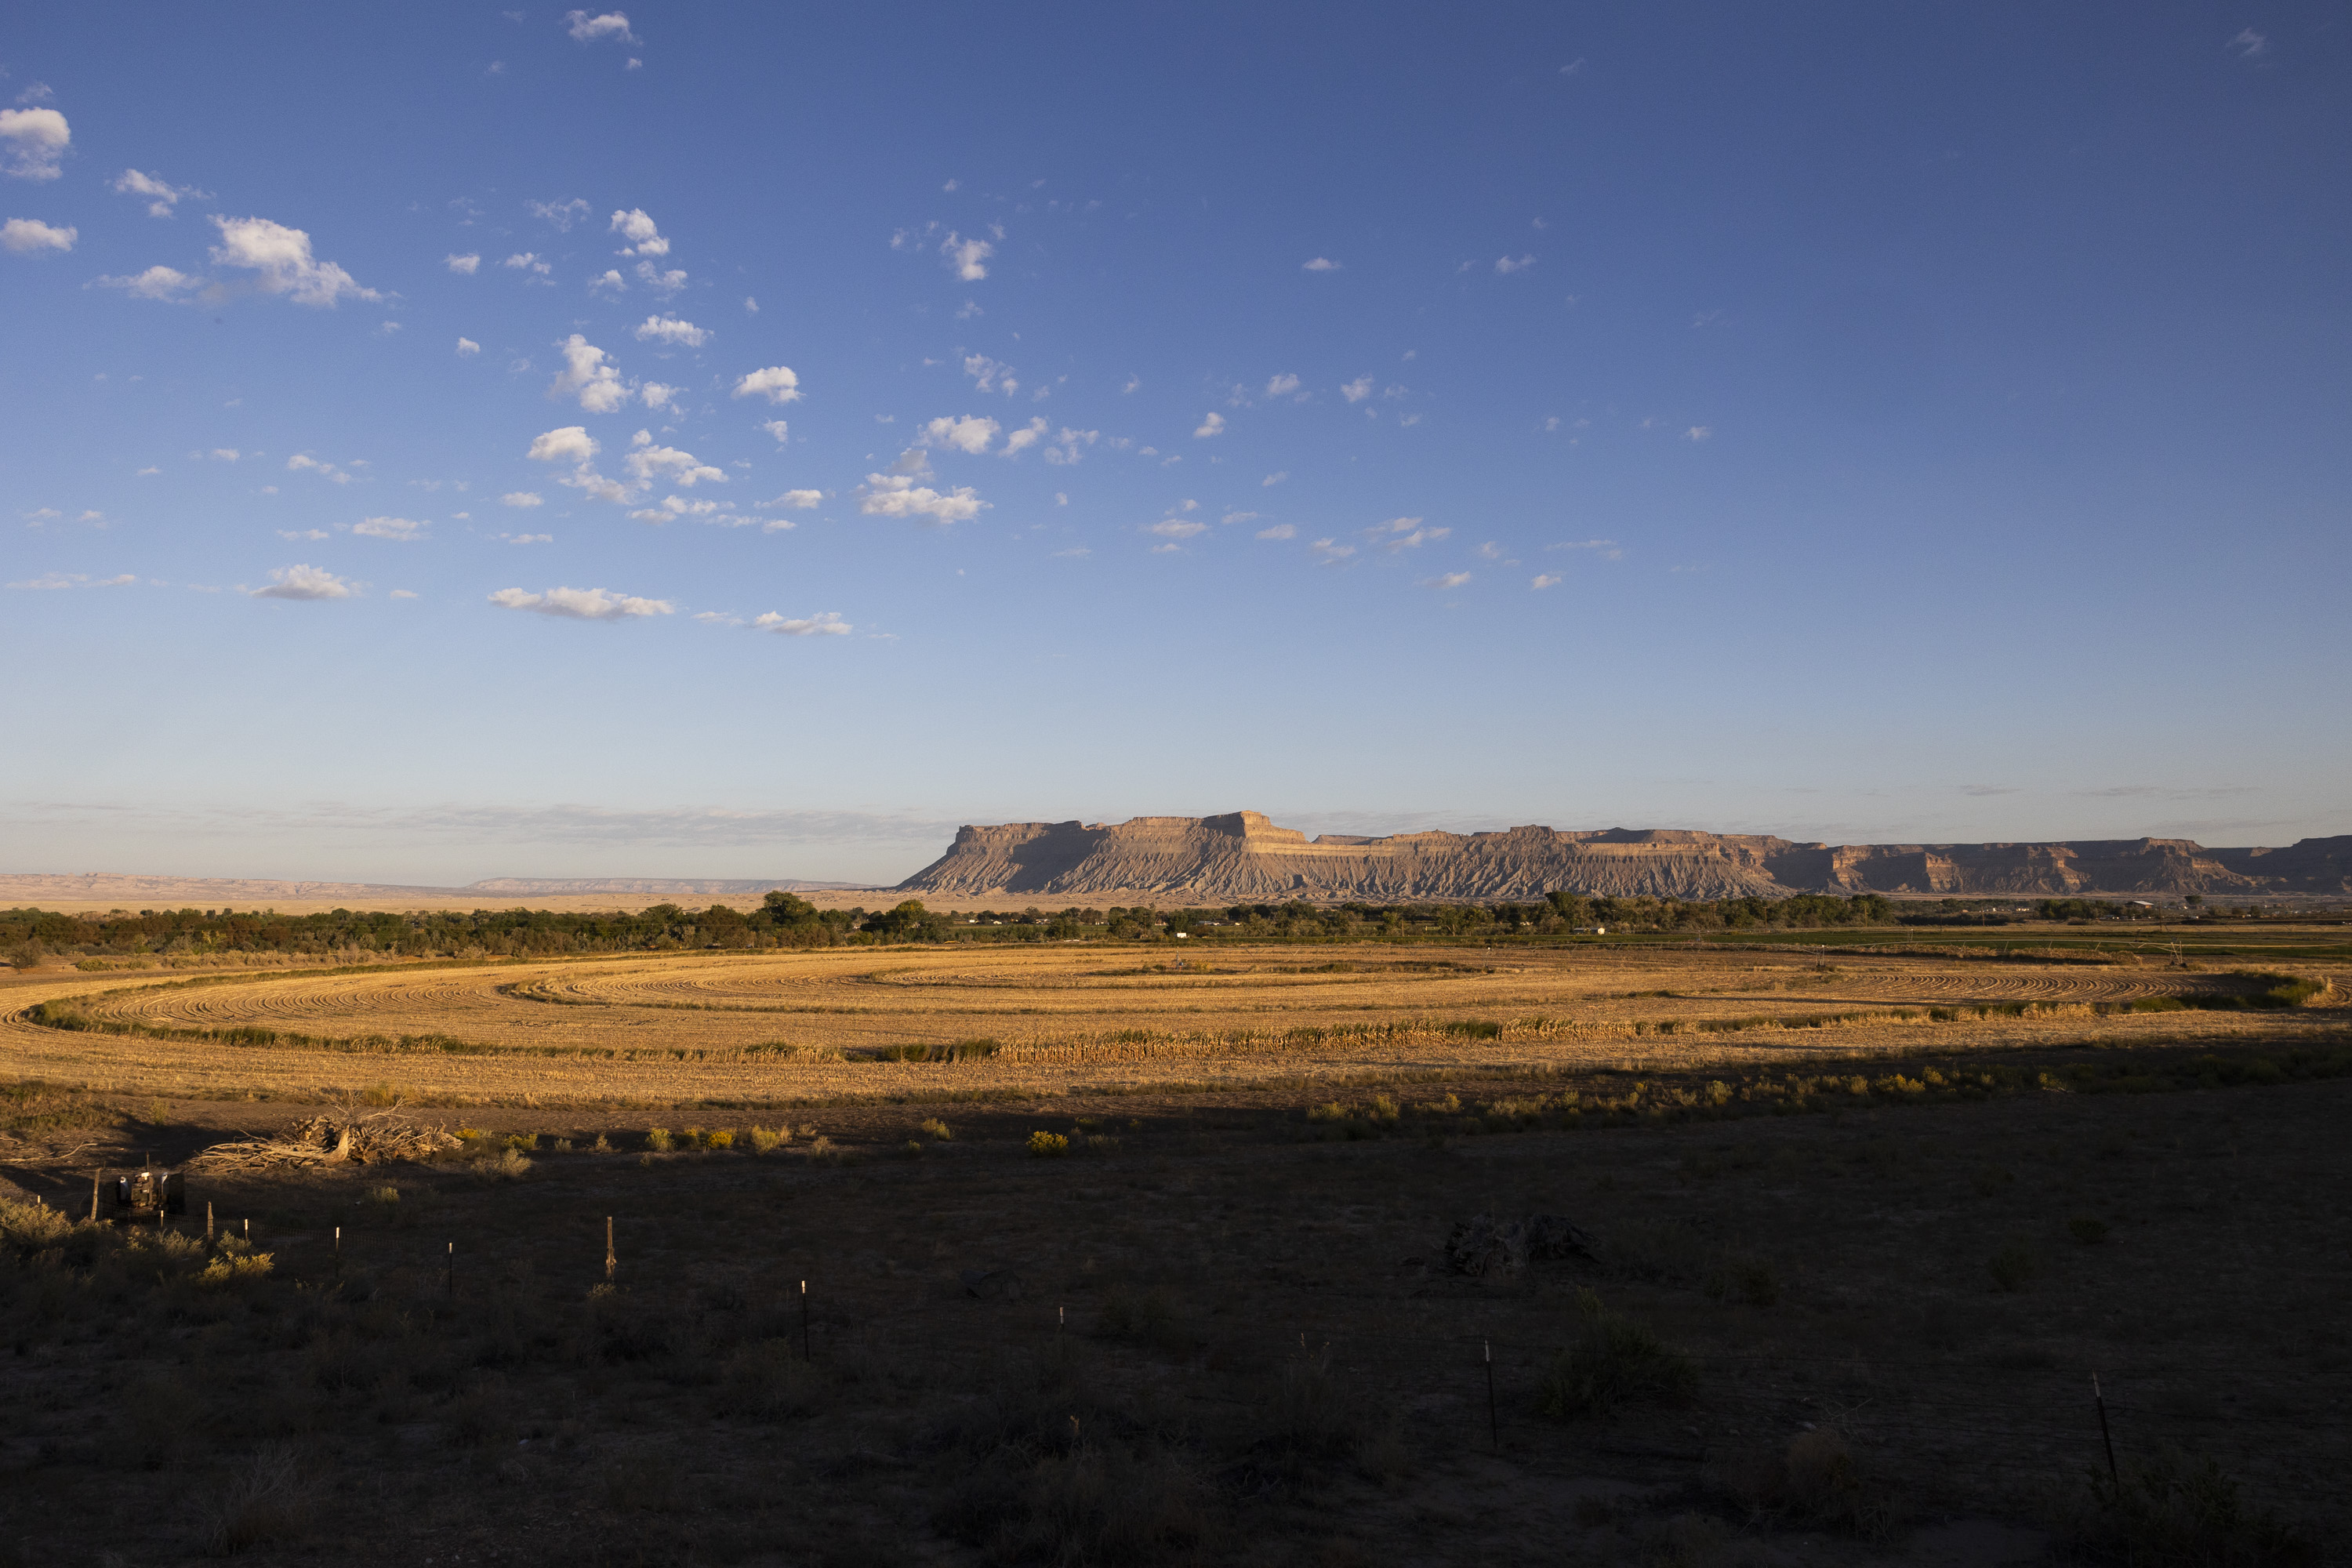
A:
(441, 442)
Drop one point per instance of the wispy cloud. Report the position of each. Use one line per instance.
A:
(824, 625)
(1320, 264)
(581, 604)
(1214, 425)
(302, 581)
(1450, 580)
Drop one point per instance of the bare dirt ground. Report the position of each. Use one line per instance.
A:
(1229, 1343)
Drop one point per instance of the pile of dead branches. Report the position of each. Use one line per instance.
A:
(329, 1141)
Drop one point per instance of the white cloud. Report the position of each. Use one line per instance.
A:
(388, 328)
(1272, 479)
(1545, 580)
(1132, 383)
(644, 238)
(1320, 264)
(1330, 552)
(528, 261)
(1404, 534)
(527, 538)
(799, 501)
(522, 497)
(468, 348)
(304, 583)
(302, 462)
(468, 264)
(581, 604)
(1062, 451)
(282, 257)
(1280, 530)
(750, 304)
(1028, 435)
(406, 529)
(155, 283)
(1176, 527)
(587, 29)
(1282, 387)
(40, 515)
(572, 443)
(162, 197)
(776, 427)
(1700, 433)
(672, 508)
(611, 279)
(1236, 519)
(966, 434)
(1607, 549)
(227, 454)
(648, 461)
(1573, 66)
(1507, 265)
(988, 375)
(1451, 580)
(26, 235)
(777, 383)
(2251, 44)
(826, 624)
(1357, 390)
(897, 495)
(563, 215)
(34, 142)
(662, 283)
(584, 372)
(654, 395)
(54, 580)
(966, 255)
(1214, 425)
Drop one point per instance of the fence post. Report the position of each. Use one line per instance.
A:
(209, 1222)
(2104, 1437)
(806, 1353)
(1494, 1424)
(339, 1252)
(96, 1177)
(611, 1261)
(452, 1277)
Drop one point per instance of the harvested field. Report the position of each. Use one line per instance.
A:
(834, 1024)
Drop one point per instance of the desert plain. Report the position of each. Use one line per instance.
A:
(1194, 1251)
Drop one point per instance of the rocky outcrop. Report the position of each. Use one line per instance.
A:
(1242, 857)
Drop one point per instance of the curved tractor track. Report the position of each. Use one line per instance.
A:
(782, 1023)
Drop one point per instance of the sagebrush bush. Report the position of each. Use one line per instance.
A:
(658, 1140)
(1613, 1361)
(2013, 1267)
(937, 1130)
(262, 1502)
(2177, 1510)
(766, 1141)
(1048, 1145)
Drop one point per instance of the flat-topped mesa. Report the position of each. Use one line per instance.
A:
(1243, 857)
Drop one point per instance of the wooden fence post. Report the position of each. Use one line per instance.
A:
(612, 1262)
(97, 1176)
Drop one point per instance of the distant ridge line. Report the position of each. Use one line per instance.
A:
(1243, 857)
(131, 891)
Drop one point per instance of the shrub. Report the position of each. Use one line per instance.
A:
(1817, 1480)
(766, 1141)
(658, 1140)
(526, 1142)
(1613, 1361)
(264, 1502)
(602, 1146)
(722, 1138)
(2174, 1509)
(382, 1196)
(33, 1228)
(1048, 1145)
(2013, 1267)
(235, 1266)
(937, 1130)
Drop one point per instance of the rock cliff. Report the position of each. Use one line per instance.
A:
(1242, 857)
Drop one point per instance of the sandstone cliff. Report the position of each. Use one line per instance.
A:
(1242, 857)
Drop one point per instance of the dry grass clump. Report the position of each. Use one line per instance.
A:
(2173, 1509)
(1613, 1361)
(263, 1503)
(1818, 1481)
